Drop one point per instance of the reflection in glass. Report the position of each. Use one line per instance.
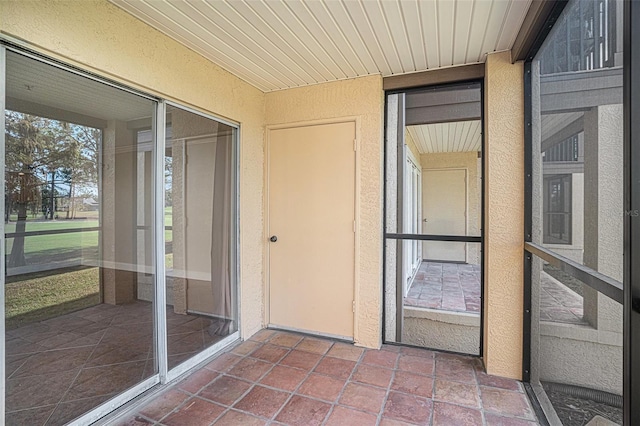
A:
(79, 278)
(578, 207)
(199, 206)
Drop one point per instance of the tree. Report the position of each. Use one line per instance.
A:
(45, 159)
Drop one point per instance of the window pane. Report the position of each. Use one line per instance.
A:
(78, 218)
(199, 232)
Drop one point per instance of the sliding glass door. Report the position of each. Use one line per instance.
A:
(119, 265)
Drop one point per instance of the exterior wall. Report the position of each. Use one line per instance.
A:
(99, 37)
(468, 161)
(362, 98)
(504, 215)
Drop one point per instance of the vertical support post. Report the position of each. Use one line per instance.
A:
(401, 161)
(631, 392)
(528, 220)
(3, 73)
(158, 230)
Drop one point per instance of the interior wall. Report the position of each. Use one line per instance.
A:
(97, 36)
(504, 215)
(362, 98)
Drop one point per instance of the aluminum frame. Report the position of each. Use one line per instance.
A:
(163, 374)
(426, 237)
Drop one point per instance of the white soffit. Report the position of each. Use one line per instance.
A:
(279, 44)
(460, 136)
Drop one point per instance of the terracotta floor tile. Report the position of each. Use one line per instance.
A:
(345, 351)
(380, 358)
(498, 382)
(457, 393)
(301, 411)
(246, 347)
(413, 384)
(263, 335)
(322, 387)
(262, 401)
(313, 345)
(391, 422)
(250, 369)
(285, 378)
(495, 420)
(372, 375)
(335, 367)
(163, 404)
(198, 380)
(447, 414)
(425, 353)
(269, 353)
(449, 369)
(363, 397)
(300, 359)
(223, 362)
(416, 364)
(195, 412)
(286, 340)
(225, 390)
(506, 402)
(407, 408)
(237, 418)
(342, 416)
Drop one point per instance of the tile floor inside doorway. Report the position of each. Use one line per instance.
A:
(455, 287)
(281, 378)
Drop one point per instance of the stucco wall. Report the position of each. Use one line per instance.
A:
(362, 98)
(101, 38)
(504, 215)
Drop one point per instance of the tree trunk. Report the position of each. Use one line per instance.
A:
(17, 250)
(52, 207)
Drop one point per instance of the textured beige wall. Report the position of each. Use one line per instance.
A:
(99, 37)
(362, 98)
(504, 215)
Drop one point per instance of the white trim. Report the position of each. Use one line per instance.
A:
(190, 363)
(158, 209)
(115, 402)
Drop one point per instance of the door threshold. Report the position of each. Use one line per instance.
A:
(310, 333)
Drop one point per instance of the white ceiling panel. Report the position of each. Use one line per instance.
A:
(278, 44)
(461, 136)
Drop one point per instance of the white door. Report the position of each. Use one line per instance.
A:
(444, 204)
(311, 213)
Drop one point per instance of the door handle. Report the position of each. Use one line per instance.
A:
(273, 239)
(424, 220)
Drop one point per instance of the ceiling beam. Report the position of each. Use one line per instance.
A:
(535, 27)
(434, 77)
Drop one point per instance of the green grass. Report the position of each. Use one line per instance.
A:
(42, 295)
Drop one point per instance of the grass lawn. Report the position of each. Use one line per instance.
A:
(39, 296)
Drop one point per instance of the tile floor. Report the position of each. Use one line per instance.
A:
(60, 368)
(456, 287)
(446, 286)
(558, 303)
(280, 378)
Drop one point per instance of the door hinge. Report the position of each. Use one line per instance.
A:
(354, 226)
(355, 144)
(353, 306)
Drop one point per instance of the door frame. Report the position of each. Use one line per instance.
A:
(481, 239)
(357, 209)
